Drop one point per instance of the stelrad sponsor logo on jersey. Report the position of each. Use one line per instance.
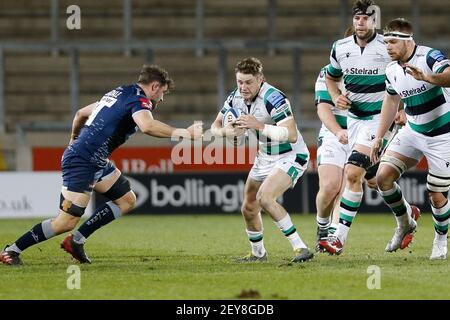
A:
(413, 92)
(363, 71)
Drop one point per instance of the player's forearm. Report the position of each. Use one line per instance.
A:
(327, 117)
(388, 112)
(332, 87)
(158, 129)
(439, 79)
(285, 131)
(77, 124)
(216, 129)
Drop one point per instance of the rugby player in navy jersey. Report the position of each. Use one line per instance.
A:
(98, 129)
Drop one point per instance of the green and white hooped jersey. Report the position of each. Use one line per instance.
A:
(363, 72)
(427, 106)
(270, 106)
(322, 96)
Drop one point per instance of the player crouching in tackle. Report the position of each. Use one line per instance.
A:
(420, 77)
(97, 131)
(281, 160)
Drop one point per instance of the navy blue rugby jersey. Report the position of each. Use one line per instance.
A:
(110, 124)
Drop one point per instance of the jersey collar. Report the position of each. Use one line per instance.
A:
(368, 41)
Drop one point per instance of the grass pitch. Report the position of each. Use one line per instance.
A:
(191, 257)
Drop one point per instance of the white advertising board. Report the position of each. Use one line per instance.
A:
(30, 194)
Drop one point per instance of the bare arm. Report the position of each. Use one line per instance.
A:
(340, 100)
(388, 113)
(290, 124)
(155, 128)
(80, 119)
(438, 79)
(250, 122)
(329, 120)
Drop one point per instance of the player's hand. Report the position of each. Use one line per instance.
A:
(196, 130)
(400, 118)
(249, 122)
(375, 150)
(342, 102)
(416, 72)
(342, 136)
(231, 130)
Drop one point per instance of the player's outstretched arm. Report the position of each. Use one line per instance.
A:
(388, 114)
(80, 119)
(438, 79)
(155, 128)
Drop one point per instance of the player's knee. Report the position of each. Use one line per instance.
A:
(265, 200)
(127, 202)
(385, 178)
(354, 175)
(437, 199)
(249, 210)
(330, 189)
(372, 183)
(438, 187)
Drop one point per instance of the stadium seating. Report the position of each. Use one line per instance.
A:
(37, 84)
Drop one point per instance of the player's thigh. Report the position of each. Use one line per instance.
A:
(400, 159)
(285, 173)
(404, 152)
(275, 184)
(250, 205)
(251, 189)
(437, 154)
(110, 176)
(330, 178)
(332, 152)
(72, 206)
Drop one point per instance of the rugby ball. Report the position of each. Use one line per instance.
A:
(231, 115)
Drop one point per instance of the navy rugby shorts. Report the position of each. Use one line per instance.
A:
(80, 175)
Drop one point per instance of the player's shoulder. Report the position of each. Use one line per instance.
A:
(390, 68)
(391, 65)
(272, 96)
(233, 97)
(379, 39)
(323, 72)
(344, 42)
(322, 75)
(133, 91)
(430, 53)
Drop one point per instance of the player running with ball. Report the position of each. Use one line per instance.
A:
(281, 160)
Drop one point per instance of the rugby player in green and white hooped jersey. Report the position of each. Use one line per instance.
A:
(420, 77)
(281, 160)
(332, 154)
(360, 60)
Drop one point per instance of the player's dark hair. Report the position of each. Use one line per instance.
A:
(249, 65)
(399, 24)
(361, 6)
(151, 73)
